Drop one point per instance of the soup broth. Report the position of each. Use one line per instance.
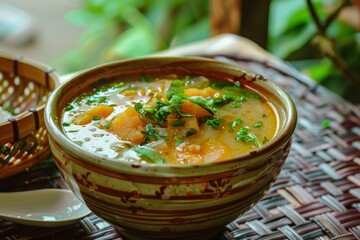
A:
(183, 120)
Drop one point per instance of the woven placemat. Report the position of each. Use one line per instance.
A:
(317, 195)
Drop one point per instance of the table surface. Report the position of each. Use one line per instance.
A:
(317, 195)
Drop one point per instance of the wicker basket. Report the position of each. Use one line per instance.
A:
(24, 89)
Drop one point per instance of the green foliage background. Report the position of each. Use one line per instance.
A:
(293, 36)
(118, 29)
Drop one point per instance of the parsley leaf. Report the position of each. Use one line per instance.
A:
(212, 121)
(177, 123)
(178, 141)
(96, 99)
(149, 154)
(151, 133)
(176, 89)
(238, 101)
(242, 91)
(207, 103)
(69, 107)
(234, 124)
(118, 85)
(245, 136)
(190, 132)
(147, 112)
(258, 124)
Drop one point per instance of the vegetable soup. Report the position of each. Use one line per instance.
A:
(173, 119)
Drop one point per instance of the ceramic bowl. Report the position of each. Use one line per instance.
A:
(150, 201)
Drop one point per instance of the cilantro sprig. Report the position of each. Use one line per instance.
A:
(149, 154)
(152, 133)
(234, 124)
(207, 103)
(245, 136)
(212, 121)
(176, 89)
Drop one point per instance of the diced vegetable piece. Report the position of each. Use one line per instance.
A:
(210, 151)
(128, 126)
(129, 92)
(195, 92)
(194, 109)
(191, 123)
(87, 117)
(188, 128)
(214, 150)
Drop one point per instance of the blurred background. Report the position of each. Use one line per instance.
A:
(321, 38)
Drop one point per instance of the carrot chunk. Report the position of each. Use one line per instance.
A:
(194, 109)
(195, 92)
(128, 126)
(87, 117)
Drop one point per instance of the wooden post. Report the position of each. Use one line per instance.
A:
(248, 18)
(225, 16)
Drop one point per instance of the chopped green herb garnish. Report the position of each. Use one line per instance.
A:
(229, 96)
(220, 101)
(178, 141)
(66, 124)
(139, 107)
(190, 132)
(96, 118)
(325, 123)
(238, 101)
(98, 135)
(214, 122)
(177, 123)
(245, 136)
(207, 103)
(264, 115)
(109, 122)
(118, 85)
(220, 85)
(258, 124)
(96, 99)
(242, 91)
(187, 80)
(176, 89)
(234, 124)
(164, 109)
(152, 133)
(149, 154)
(72, 131)
(147, 113)
(69, 107)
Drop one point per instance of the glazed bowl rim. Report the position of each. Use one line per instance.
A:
(281, 137)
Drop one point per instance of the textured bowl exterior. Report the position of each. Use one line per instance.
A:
(149, 201)
(186, 207)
